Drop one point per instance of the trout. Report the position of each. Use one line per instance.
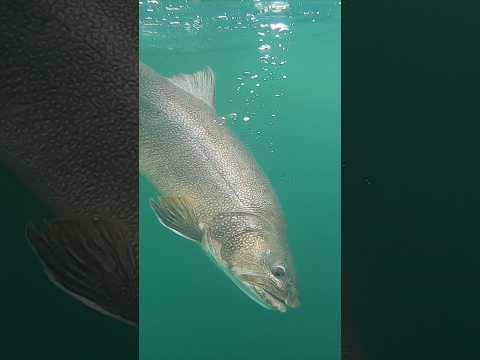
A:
(212, 191)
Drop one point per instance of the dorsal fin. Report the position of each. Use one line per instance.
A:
(200, 84)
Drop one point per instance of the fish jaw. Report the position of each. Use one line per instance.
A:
(262, 297)
(274, 302)
(256, 293)
(259, 294)
(256, 286)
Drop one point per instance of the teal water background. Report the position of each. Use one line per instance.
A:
(277, 67)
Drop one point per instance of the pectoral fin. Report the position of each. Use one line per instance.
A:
(95, 261)
(177, 214)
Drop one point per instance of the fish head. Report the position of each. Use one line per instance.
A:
(255, 256)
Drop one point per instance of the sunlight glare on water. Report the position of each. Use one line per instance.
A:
(180, 26)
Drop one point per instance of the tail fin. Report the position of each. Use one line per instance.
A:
(95, 261)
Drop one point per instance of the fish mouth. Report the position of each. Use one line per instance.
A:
(255, 287)
(265, 298)
(271, 300)
(264, 294)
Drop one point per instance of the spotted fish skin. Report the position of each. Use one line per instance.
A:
(212, 190)
(69, 131)
(184, 150)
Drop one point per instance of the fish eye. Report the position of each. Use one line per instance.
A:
(279, 271)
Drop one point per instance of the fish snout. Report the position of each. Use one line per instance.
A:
(293, 299)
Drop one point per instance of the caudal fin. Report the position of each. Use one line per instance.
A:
(95, 261)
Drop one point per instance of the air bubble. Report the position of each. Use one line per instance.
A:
(264, 47)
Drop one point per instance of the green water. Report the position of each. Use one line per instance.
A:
(40, 321)
(277, 66)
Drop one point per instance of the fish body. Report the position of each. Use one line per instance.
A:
(69, 131)
(212, 190)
